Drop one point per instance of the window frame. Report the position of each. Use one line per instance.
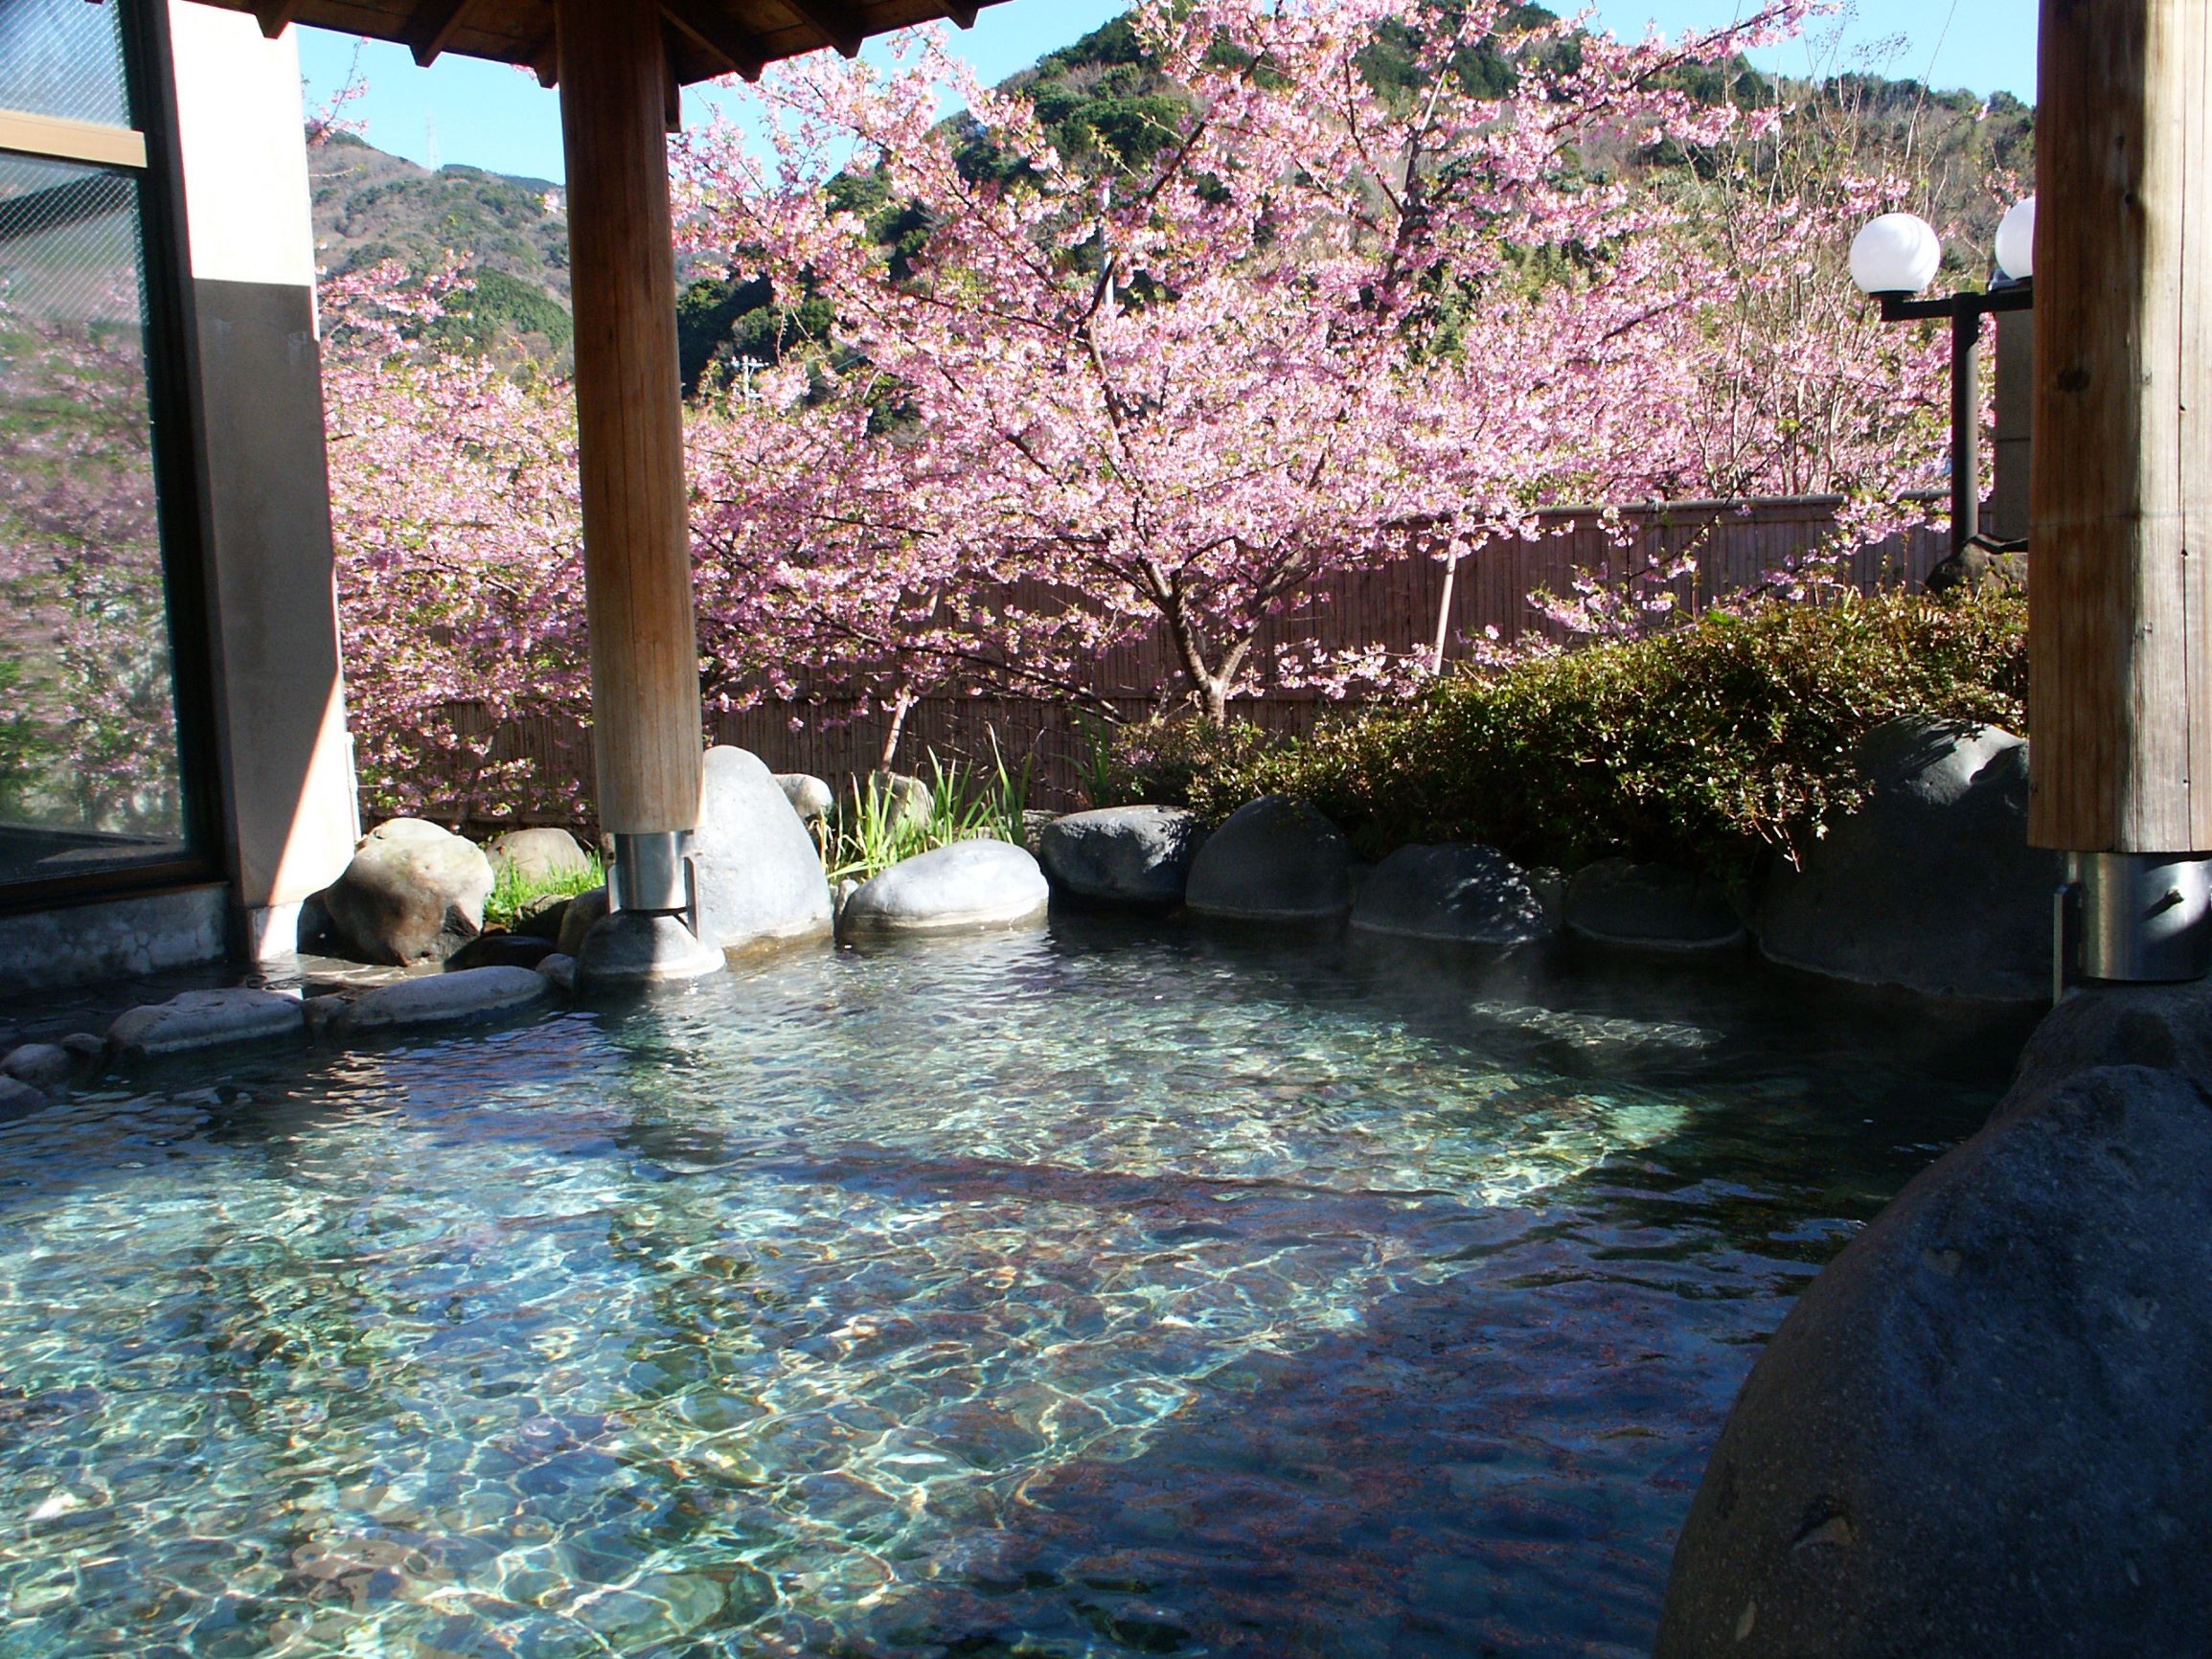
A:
(152, 150)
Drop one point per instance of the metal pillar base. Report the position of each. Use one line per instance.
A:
(2134, 918)
(653, 874)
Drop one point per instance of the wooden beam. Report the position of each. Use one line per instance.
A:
(2120, 544)
(960, 13)
(645, 674)
(706, 23)
(839, 24)
(432, 27)
(544, 59)
(275, 16)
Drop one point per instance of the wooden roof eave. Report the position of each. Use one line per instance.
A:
(707, 39)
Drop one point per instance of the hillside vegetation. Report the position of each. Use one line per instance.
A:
(1106, 107)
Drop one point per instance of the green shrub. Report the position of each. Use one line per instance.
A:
(1698, 746)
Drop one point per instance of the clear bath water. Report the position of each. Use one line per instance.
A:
(1105, 1292)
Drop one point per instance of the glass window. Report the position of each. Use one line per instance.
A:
(64, 57)
(90, 771)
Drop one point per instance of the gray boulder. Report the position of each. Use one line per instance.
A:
(1121, 855)
(560, 972)
(19, 1100)
(1980, 1432)
(967, 886)
(809, 796)
(1455, 890)
(584, 912)
(636, 947)
(1652, 907)
(760, 875)
(206, 1019)
(413, 893)
(446, 999)
(538, 856)
(1274, 859)
(1933, 886)
(908, 802)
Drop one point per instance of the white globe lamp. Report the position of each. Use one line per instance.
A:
(1897, 254)
(2016, 240)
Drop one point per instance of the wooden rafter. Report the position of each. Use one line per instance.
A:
(432, 27)
(545, 59)
(275, 16)
(707, 26)
(712, 38)
(840, 25)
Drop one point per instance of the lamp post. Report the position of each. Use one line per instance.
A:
(1895, 257)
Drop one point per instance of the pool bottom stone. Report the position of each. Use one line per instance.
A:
(1017, 1296)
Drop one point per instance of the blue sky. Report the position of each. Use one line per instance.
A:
(490, 116)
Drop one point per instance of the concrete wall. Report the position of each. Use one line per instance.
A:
(290, 802)
(47, 949)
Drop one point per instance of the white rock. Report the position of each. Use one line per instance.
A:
(969, 885)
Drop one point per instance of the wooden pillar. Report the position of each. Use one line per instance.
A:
(645, 687)
(2121, 480)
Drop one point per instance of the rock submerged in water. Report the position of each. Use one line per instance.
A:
(413, 893)
(969, 886)
(44, 1066)
(760, 875)
(1454, 891)
(538, 856)
(1138, 856)
(1933, 885)
(1274, 859)
(1652, 907)
(1979, 1433)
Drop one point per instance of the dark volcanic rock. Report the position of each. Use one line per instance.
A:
(1982, 1434)
(1933, 885)
(1652, 907)
(1275, 859)
(1121, 855)
(1452, 891)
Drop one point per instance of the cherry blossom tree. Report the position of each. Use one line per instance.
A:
(1311, 323)
(454, 503)
(1177, 395)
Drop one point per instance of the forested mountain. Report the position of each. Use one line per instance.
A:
(510, 233)
(1105, 106)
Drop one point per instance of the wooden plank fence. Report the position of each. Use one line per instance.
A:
(1393, 606)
